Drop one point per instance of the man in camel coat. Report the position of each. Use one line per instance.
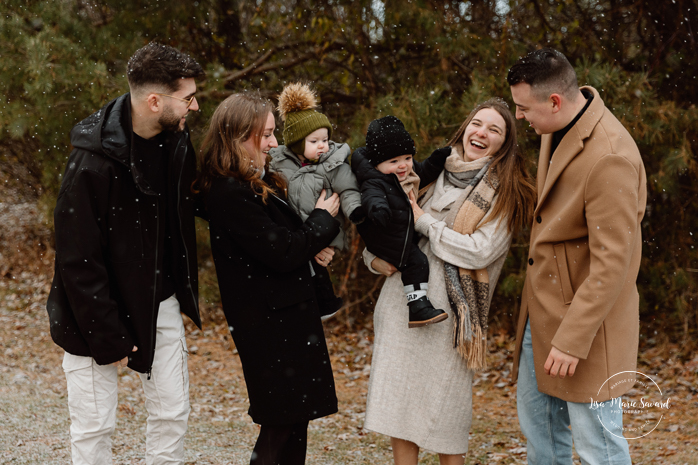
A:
(579, 319)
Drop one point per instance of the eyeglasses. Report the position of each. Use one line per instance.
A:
(188, 100)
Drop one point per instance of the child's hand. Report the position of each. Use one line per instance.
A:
(358, 215)
(380, 216)
(324, 257)
(416, 209)
(439, 156)
(331, 204)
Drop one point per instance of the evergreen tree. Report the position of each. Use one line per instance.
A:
(426, 61)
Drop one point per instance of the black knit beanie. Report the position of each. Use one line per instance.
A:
(387, 138)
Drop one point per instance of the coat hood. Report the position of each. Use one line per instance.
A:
(365, 170)
(107, 131)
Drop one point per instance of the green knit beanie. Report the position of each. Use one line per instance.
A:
(297, 108)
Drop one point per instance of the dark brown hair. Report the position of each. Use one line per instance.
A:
(516, 194)
(547, 71)
(222, 154)
(161, 65)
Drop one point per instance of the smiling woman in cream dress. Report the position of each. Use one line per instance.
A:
(420, 390)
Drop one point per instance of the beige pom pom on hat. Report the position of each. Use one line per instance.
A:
(297, 104)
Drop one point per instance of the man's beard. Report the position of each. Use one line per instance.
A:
(169, 121)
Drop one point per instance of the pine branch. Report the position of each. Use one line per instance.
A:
(540, 12)
(258, 66)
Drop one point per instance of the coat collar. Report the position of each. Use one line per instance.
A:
(570, 146)
(334, 157)
(282, 204)
(364, 170)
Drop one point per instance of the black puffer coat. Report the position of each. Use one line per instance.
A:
(103, 297)
(389, 227)
(262, 254)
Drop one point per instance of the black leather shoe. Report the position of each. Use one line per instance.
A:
(423, 313)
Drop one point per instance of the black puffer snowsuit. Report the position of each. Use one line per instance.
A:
(389, 228)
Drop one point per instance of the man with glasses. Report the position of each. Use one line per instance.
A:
(126, 257)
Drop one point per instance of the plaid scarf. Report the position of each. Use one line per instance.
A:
(468, 290)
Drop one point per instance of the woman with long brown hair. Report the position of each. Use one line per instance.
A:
(262, 251)
(420, 390)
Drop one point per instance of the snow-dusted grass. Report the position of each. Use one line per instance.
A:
(34, 419)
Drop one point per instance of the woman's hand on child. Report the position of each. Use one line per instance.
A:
(331, 204)
(383, 267)
(324, 257)
(416, 209)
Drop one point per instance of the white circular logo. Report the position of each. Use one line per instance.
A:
(643, 406)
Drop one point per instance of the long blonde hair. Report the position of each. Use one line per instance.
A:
(222, 154)
(516, 195)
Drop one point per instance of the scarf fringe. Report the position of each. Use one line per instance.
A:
(477, 351)
(473, 350)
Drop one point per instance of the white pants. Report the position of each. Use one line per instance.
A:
(92, 398)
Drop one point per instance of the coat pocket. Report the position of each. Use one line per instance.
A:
(563, 272)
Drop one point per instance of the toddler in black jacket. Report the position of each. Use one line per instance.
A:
(386, 173)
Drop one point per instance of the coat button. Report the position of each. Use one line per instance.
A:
(530, 261)
(539, 219)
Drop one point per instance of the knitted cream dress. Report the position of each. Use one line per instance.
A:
(420, 389)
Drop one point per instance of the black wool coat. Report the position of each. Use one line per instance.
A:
(262, 254)
(103, 297)
(389, 227)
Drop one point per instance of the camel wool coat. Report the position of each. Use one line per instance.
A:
(580, 292)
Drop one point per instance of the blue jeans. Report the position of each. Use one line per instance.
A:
(545, 421)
